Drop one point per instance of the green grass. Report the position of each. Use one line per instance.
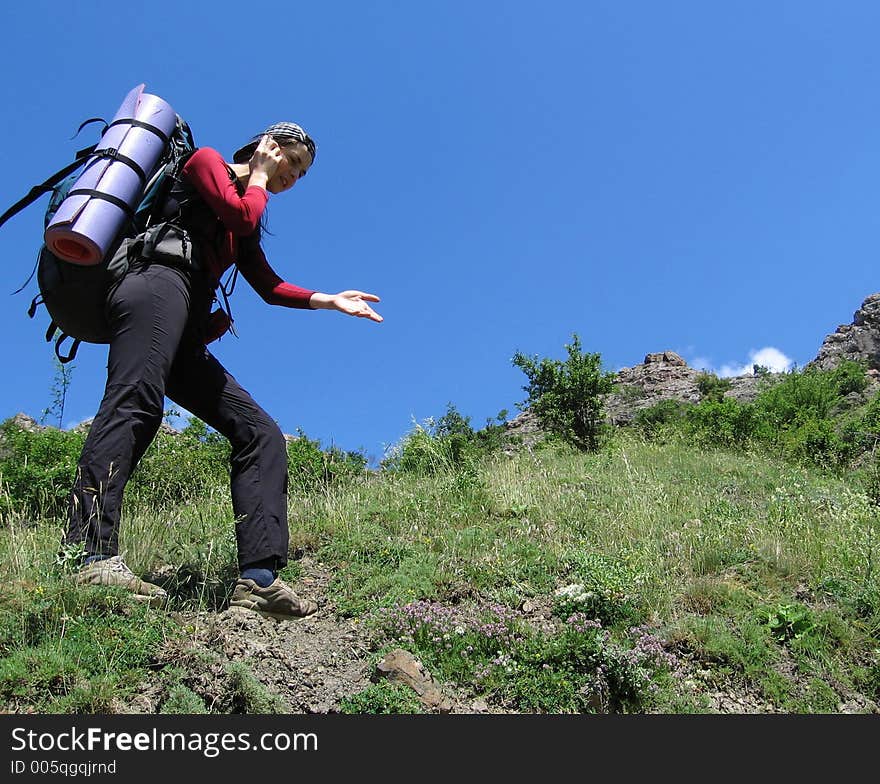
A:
(751, 573)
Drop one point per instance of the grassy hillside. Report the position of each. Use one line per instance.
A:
(657, 574)
(710, 557)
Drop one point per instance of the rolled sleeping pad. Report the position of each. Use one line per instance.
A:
(112, 184)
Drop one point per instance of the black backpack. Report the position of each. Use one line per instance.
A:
(75, 295)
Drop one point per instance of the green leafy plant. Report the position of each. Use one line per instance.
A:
(601, 587)
(446, 444)
(722, 422)
(788, 621)
(665, 415)
(37, 469)
(312, 468)
(566, 396)
(711, 387)
(384, 697)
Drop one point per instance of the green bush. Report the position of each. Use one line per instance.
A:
(803, 415)
(809, 416)
(722, 422)
(180, 468)
(37, 469)
(311, 468)
(448, 444)
(567, 396)
(850, 377)
(667, 414)
(861, 431)
(711, 387)
(800, 396)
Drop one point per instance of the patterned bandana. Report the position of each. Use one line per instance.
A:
(282, 132)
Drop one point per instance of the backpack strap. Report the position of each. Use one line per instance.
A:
(38, 190)
(159, 188)
(114, 155)
(35, 302)
(141, 124)
(49, 184)
(226, 290)
(117, 202)
(29, 279)
(62, 358)
(71, 354)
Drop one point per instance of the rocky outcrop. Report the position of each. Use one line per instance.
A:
(859, 341)
(666, 376)
(24, 422)
(662, 376)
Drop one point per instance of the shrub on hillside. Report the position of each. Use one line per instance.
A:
(811, 394)
(665, 415)
(311, 468)
(566, 396)
(805, 416)
(723, 422)
(711, 387)
(863, 429)
(447, 444)
(37, 469)
(179, 468)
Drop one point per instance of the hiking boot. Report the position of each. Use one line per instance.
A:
(277, 601)
(113, 571)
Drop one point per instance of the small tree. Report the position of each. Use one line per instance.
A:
(567, 396)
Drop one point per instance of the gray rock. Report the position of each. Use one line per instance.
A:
(400, 665)
(859, 341)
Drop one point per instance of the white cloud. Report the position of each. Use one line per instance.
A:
(769, 357)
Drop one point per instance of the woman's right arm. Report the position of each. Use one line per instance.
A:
(207, 172)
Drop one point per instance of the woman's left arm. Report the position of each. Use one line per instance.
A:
(266, 282)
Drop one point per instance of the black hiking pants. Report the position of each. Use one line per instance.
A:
(157, 314)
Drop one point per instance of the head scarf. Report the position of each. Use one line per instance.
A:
(283, 133)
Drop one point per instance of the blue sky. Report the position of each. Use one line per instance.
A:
(687, 176)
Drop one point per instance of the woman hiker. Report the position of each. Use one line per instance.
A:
(160, 316)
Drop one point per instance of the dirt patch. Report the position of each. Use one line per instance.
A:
(307, 665)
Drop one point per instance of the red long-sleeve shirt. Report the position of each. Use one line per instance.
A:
(239, 243)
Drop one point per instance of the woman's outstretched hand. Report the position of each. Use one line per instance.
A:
(351, 302)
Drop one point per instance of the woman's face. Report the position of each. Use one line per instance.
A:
(293, 167)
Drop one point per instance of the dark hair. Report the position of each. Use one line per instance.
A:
(284, 133)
